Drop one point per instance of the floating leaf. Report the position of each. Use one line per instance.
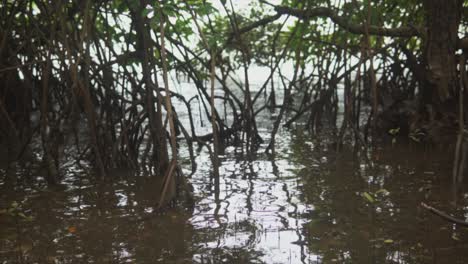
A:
(382, 191)
(415, 138)
(22, 215)
(388, 241)
(368, 197)
(72, 229)
(394, 131)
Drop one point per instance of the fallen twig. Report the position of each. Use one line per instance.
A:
(444, 215)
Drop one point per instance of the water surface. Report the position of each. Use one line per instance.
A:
(309, 203)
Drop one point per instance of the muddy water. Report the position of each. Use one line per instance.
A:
(307, 204)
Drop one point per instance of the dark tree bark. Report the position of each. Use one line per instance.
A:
(439, 34)
(442, 22)
(157, 130)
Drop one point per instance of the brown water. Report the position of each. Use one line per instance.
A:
(304, 205)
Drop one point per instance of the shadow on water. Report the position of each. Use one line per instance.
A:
(307, 204)
(106, 223)
(368, 212)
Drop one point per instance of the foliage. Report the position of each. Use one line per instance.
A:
(102, 61)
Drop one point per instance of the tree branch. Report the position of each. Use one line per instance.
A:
(404, 32)
(444, 215)
(262, 22)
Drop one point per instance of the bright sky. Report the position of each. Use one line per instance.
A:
(239, 5)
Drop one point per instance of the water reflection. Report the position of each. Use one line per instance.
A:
(108, 223)
(260, 210)
(303, 205)
(347, 228)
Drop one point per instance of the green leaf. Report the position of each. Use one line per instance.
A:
(154, 23)
(394, 131)
(206, 9)
(145, 12)
(388, 241)
(169, 10)
(382, 191)
(22, 215)
(368, 197)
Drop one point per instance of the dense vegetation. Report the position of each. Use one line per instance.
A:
(93, 76)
